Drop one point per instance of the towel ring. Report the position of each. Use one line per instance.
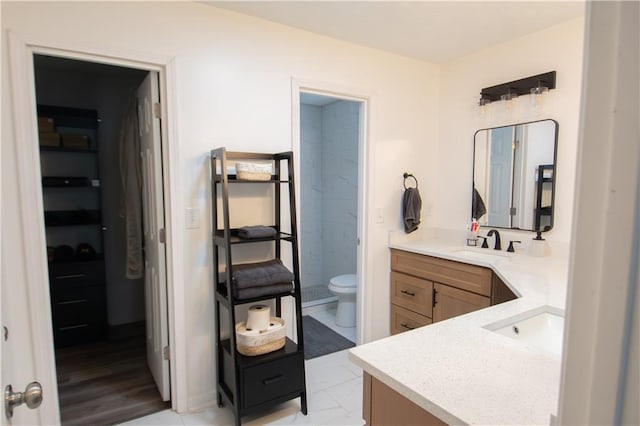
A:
(407, 176)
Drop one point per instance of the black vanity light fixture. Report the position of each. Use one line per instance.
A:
(534, 85)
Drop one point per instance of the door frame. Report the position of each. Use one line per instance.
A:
(365, 184)
(22, 78)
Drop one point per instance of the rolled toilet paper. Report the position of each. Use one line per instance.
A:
(258, 317)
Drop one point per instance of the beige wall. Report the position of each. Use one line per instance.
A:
(233, 78)
(557, 48)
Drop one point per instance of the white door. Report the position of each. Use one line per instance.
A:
(153, 224)
(499, 208)
(21, 363)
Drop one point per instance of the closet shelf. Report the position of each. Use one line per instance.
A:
(72, 217)
(67, 149)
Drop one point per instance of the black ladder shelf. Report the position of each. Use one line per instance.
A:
(544, 180)
(249, 384)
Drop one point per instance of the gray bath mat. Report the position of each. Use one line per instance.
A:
(321, 340)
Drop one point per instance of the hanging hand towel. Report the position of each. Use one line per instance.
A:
(411, 205)
(478, 209)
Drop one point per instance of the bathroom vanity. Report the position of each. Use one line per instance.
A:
(427, 289)
(460, 369)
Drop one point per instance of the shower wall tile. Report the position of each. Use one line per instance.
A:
(310, 195)
(340, 127)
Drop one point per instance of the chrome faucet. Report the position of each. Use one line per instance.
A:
(497, 245)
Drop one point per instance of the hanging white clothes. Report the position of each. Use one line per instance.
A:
(131, 178)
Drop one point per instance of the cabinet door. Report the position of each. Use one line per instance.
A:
(451, 302)
(383, 406)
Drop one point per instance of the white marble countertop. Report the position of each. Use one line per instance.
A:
(463, 373)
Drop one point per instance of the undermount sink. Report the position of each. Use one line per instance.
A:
(542, 328)
(477, 254)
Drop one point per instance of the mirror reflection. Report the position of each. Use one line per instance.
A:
(514, 176)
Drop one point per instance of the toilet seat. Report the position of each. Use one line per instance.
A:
(345, 282)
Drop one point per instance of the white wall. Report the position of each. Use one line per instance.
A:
(233, 78)
(601, 329)
(557, 48)
(107, 91)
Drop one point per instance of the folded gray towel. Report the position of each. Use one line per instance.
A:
(411, 205)
(259, 231)
(261, 274)
(268, 290)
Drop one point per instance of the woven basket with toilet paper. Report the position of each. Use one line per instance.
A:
(261, 333)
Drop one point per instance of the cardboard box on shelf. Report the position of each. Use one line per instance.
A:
(46, 125)
(50, 139)
(75, 140)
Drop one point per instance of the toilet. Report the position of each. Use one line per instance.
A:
(344, 286)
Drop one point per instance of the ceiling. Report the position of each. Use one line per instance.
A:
(434, 31)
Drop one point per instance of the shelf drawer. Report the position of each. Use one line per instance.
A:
(75, 274)
(412, 293)
(79, 306)
(272, 380)
(78, 334)
(404, 320)
(456, 274)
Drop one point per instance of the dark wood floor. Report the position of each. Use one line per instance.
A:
(106, 383)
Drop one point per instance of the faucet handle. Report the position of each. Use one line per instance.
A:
(510, 248)
(484, 241)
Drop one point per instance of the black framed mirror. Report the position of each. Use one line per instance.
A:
(514, 173)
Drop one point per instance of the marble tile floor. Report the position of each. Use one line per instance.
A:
(334, 395)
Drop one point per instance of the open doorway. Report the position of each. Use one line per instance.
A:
(329, 224)
(102, 189)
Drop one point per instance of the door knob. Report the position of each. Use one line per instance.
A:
(32, 396)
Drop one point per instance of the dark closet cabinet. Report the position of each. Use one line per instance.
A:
(69, 162)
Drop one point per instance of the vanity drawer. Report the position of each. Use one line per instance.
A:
(272, 380)
(461, 275)
(412, 293)
(404, 320)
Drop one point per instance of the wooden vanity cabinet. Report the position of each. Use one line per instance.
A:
(411, 302)
(427, 289)
(384, 406)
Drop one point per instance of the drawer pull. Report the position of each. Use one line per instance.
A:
(272, 380)
(69, 277)
(72, 327)
(409, 293)
(407, 326)
(71, 302)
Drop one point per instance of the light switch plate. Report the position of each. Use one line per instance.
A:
(379, 215)
(192, 217)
